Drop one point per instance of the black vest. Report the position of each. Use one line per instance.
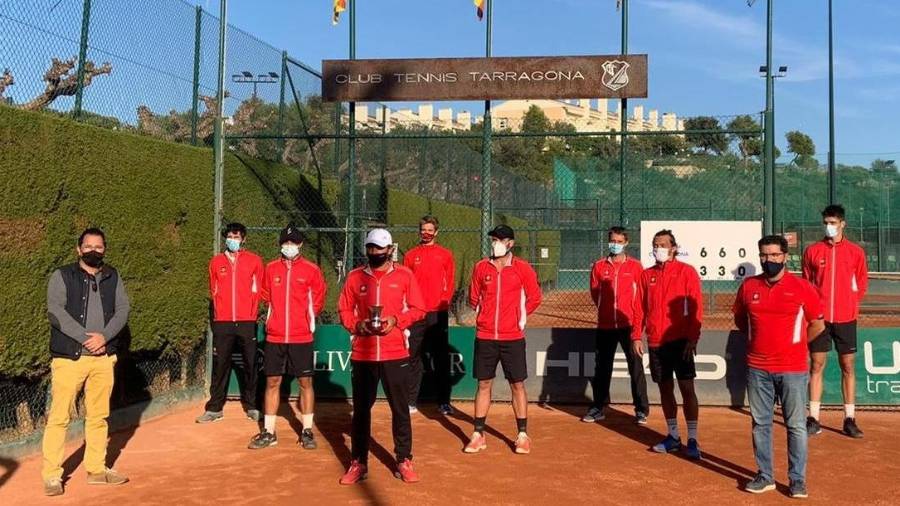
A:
(78, 286)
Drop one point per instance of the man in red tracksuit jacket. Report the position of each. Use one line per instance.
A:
(294, 289)
(235, 280)
(378, 304)
(671, 311)
(614, 281)
(504, 290)
(837, 267)
(434, 269)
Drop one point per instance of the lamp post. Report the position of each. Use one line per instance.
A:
(769, 147)
(247, 77)
(832, 182)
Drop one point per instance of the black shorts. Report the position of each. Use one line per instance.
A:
(510, 354)
(843, 335)
(294, 360)
(669, 359)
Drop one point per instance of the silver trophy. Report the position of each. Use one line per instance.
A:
(375, 316)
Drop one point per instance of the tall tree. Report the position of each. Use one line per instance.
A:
(748, 144)
(803, 148)
(712, 141)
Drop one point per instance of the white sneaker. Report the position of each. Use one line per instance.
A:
(594, 414)
(413, 410)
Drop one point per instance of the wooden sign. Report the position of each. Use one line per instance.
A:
(609, 76)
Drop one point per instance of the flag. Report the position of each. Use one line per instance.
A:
(339, 7)
(479, 8)
(618, 4)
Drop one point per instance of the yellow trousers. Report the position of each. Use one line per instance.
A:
(68, 377)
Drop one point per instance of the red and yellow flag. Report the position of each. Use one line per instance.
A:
(339, 7)
(479, 8)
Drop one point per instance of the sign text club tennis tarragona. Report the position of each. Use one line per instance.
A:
(609, 76)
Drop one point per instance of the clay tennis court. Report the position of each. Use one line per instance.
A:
(173, 461)
(574, 309)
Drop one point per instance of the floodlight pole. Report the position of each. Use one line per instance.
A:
(769, 148)
(487, 219)
(623, 122)
(351, 160)
(832, 181)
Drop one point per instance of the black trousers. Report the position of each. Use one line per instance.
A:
(394, 377)
(227, 335)
(607, 341)
(429, 348)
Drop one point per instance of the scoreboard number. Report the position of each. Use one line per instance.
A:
(719, 250)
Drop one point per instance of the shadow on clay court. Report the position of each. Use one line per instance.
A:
(464, 419)
(9, 468)
(623, 424)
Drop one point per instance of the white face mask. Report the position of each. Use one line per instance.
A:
(290, 251)
(616, 248)
(661, 254)
(499, 249)
(831, 230)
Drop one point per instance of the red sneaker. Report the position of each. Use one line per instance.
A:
(406, 472)
(523, 444)
(355, 473)
(476, 444)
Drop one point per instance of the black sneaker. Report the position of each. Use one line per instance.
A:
(851, 429)
(759, 484)
(262, 440)
(445, 409)
(640, 418)
(307, 440)
(813, 426)
(798, 490)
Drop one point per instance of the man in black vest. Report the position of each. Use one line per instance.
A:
(88, 308)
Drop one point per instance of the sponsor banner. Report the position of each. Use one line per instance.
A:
(561, 364)
(608, 76)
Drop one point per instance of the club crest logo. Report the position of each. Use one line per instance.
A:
(615, 74)
(223, 270)
(822, 262)
(652, 280)
(756, 296)
(363, 289)
(418, 260)
(277, 280)
(487, 279)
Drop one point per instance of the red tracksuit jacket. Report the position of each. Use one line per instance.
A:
(614, 291)
(397, 292)
(503, 298)
(234, 286)
(840, 273)
(671, 304)
(295, 290)
(435, 273)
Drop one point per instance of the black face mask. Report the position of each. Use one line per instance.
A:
(377, 260)
(92, 259)
(772, 269)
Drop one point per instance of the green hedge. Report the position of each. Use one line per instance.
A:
(153, 199)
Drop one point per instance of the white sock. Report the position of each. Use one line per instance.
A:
(849, 410)
(692, 429)
(269, 423)
(307, 421)
(522, 434)
(673, 427)
(814, 407)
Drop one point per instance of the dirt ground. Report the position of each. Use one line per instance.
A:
(567, 309)
(173, 461)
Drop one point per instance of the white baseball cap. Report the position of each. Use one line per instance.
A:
(379, 237)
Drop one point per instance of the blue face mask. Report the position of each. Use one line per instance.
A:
(616, 248)
(232, 244)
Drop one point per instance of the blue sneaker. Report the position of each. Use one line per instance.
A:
(693, 449)
(798, 490)
(669, 444)
(759, 484)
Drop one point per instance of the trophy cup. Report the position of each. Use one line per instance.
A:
(375, 316)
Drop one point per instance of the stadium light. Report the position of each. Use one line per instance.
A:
(245, 76)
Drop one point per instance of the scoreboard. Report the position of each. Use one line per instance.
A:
(719, 250)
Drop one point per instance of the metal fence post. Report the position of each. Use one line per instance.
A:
(284, 58)
(196, 97)
(82, 56)
(880, 246)
(486, 204)
(219, 155)
(623, 121)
